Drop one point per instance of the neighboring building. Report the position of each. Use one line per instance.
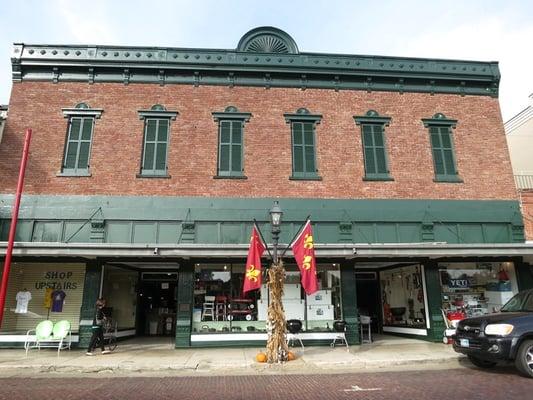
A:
(149, 165)
(519, 130)
(3, 118)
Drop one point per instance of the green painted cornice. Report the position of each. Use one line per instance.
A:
(248, 66)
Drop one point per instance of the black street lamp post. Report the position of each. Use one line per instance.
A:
(275, 221)
(277, 350)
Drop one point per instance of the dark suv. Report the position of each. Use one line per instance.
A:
(504, 336)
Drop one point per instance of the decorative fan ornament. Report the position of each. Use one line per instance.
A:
(267, 39)
(267, 44)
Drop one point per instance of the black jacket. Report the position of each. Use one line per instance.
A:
(99, 317)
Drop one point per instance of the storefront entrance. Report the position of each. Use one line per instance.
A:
(141, 298)
(157, 297)
(368, 298)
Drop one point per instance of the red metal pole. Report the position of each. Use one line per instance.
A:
(13, 227)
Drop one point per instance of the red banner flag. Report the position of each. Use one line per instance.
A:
(252, 275)
(304, 253)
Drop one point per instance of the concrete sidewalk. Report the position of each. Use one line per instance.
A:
(146, 356)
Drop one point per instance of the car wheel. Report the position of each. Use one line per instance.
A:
(478, 362)
(524, 358)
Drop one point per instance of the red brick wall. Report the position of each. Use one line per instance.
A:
(527, 211)
(482, 155)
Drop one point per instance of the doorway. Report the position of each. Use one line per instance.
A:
(368, 297)
(157, 300)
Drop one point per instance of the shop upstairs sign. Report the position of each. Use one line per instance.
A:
(58, 280)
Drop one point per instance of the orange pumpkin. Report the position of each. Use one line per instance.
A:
(261, 357)
(291, 356)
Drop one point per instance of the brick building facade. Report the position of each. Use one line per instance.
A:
(192, 160)
(439, 202)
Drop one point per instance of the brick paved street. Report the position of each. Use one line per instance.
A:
(464, 383)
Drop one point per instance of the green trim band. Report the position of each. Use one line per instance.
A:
(270, 79)
(47, 207)
(214, 221)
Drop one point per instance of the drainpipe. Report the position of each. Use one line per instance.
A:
(13, 226)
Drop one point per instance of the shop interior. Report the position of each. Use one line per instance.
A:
(141, 298)
(220, 306)
(157, 304)
(472, 289)
(402, 296)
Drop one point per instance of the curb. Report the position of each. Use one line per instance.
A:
(202, 368)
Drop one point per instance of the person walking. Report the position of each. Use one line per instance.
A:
(98, 328)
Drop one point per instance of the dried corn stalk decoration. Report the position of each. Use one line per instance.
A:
(276, 349)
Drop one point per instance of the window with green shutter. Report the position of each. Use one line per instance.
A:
(155, 147)
(440, 133)
(231, 142)
(303, 139)
(374, 145)
(155, 141)
(76, 159)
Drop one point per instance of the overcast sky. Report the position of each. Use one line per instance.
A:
(469, 29)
